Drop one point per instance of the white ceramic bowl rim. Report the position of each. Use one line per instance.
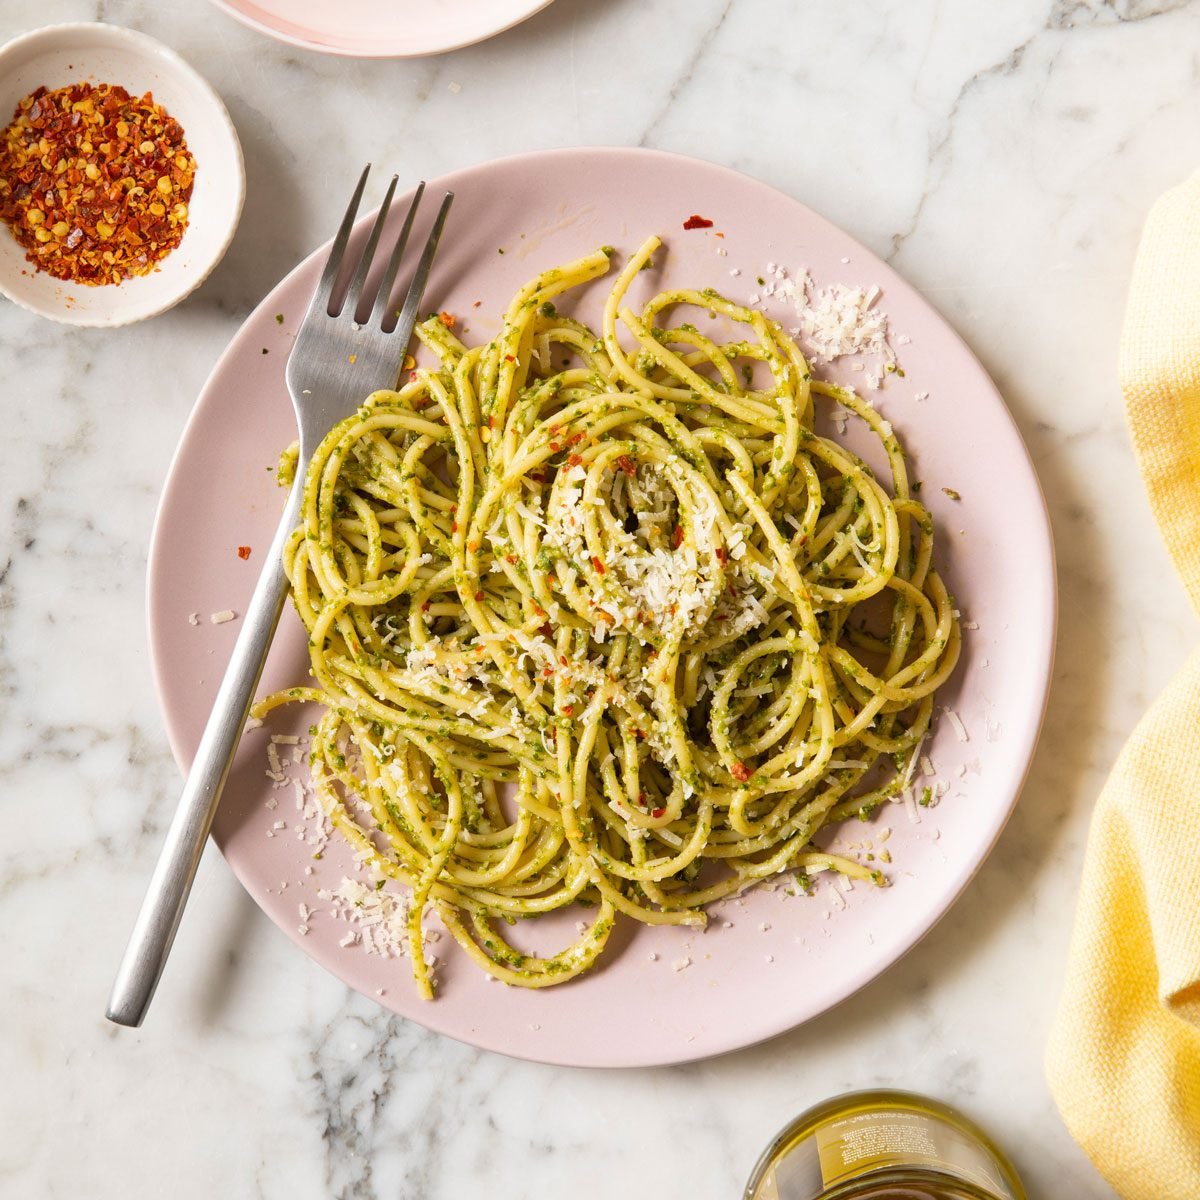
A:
(77, 44)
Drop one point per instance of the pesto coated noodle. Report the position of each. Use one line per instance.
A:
(601, 618)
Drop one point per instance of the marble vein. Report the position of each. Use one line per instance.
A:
(1004, 156)
(684, 75)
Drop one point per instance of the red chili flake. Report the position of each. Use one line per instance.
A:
(491, 421)
(597, 564)
(424, 605)
(677, 537)
(510, 558)
(574, 460)
(568, 709)
(576, 438)
(547, 630)
(453, 526)
(448, 319)
(412, 378)
(722, 555)
(94, 183)
(478, 595)
(740, 772)
(547, 672)
(243, 552)
(695, 221)
(477, 304)
(658, 812)
(626, 464)
(509, 358)
(537, 608)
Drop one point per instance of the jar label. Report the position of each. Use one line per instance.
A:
(854, 1147)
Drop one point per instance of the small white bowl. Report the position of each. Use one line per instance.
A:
(95, 53)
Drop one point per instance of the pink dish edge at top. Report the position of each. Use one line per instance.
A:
(304, 29)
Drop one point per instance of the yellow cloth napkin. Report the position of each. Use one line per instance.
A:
(1124, 1053)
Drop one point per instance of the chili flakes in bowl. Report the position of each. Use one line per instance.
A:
(94, 182)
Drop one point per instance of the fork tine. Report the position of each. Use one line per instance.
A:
(354, 292)
(408, 314)
(383, 295)
(324, 293)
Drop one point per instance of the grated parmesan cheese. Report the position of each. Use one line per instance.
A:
(960, 729)
(910, 807)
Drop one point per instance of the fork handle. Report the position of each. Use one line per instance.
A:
(158, 918)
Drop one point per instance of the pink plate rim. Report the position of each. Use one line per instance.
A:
(320, 43)
(1020, 741)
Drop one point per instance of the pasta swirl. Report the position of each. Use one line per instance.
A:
(602, 619)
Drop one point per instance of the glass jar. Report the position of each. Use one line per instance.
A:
(883, 1145)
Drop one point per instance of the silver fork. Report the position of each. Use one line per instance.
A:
(335, 364)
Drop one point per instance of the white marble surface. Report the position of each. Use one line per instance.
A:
(1004, 156)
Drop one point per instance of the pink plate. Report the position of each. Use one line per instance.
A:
(370, 29)
(781, 959)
